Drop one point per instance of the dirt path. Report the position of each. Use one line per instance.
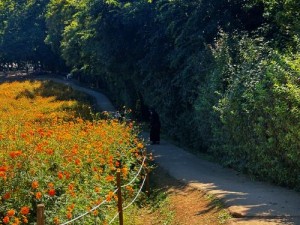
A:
(253, 202)
(179, 204)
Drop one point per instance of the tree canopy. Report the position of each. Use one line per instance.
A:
(23, 32)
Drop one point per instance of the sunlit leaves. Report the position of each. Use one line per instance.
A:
(257, 107)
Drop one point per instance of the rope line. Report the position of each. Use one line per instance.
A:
(115, 216)
(138, 193)
(138, 173)
(104, 201)
(84, 214)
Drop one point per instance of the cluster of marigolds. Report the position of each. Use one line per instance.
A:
(50, 156)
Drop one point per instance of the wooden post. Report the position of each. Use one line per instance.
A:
(40, 214)
(120, 208)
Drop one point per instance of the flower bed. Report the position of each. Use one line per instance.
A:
(49, 155)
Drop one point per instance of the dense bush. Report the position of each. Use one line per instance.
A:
(257, 106)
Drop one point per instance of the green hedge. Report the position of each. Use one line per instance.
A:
(258, 112)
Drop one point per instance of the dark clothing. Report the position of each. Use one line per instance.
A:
(154, 128)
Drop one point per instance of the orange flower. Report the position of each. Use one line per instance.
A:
(38, 195)
(109, 196)
(69, 215)
(35, 184)
(98, 201)
(95, 212)
(71, 187)
(115, 197)
(6, 196)
(129, 188)
(71, 207)
(67, 174)
(140, 145)
(110, 178)
(124, 171)
(39, 148)
(50, 185)
(6, 220)
(25, 220)
(60, 175)
(97, 189)
(15, 154)
(3, 168)
(3, 174)
(10, 213)
(16, 221)
(25, 210)
(56, 220)
(51, 192)
(50, 151)
(77, 162)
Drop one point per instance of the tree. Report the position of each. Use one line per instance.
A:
(284, 19)
(22, 33)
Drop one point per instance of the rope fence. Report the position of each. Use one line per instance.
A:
(41, 207)
(138, 173)
(136, 196)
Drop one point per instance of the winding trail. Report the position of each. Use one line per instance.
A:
(250, 202)
(103, 103)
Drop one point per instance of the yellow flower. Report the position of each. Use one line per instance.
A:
(140, 145)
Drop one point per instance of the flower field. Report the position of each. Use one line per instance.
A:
(50, 155)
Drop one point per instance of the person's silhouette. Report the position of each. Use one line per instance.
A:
(154, 127)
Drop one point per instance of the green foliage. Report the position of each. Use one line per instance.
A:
(22, 33)
(258, 111)
(283, 17)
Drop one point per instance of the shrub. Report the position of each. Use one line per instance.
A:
(257, 110)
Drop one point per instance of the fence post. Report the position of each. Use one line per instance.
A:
(40, 214)
(120, 208)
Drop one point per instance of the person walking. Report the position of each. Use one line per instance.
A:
(154, 127)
